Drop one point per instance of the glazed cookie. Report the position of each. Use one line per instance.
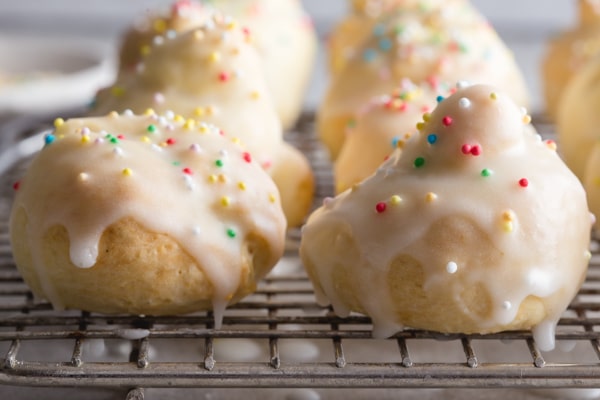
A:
(481, 230)
(282, 33)
(214, 73)
(144, 215)
(441, 45)
(569, 52)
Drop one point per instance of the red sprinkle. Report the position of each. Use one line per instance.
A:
(447, 120)
(224, 76)
(188, 171)
(121, 137)
(171, 141)
(476, 150)
(523, 182)
(247, 157)
(16, 185)
(380, 207)
(466, 149)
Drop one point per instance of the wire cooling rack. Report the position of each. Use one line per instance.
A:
(277, 337)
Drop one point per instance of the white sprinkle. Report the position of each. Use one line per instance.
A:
(523, 111)
(156, 147)
(117, 151)
(162, 120)
(169, 114)
(195, 148)
(327, 201)
(507, 305)
(451, 267)
(196, 230)
(99, 141)
(128, 113)
(85, 131)
(159, 98)
(158, 40)
(223, 153)
(171, 34)
(189, 182)
(592, 218)
(462, 84)
(464, 103)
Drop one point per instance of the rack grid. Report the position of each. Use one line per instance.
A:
(277, 337)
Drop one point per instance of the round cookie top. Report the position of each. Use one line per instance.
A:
(178, 177)
(382, 125)
(475, 157)
(213, 73)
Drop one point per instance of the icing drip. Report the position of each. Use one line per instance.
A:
(488, 170)
(190, 183)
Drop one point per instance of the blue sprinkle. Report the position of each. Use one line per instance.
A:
(432, 138)
(369, 55)
(48, 139)
(440, 99)
(385, 44)
(395, 141)
(379, 30)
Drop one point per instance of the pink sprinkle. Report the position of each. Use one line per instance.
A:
(523, 182)
(195, 148)
(267, 164)
(224, 76)
(247, 157)
(447, 120)
(380, 207)
(188, 171)
(121, 137)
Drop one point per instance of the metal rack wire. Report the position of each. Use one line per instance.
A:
(277, 337)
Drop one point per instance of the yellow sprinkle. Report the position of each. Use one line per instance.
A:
(225, 201)
(231, 25)
(507, 226)
(58, 122)
(429, 197)
(420, 125)
(189, 124)
(426, 117)
(493, 96)
(145, 139)
(272, 198)
(145, 50)
(212, 178)
(198, 34)
(527, 119)
(395, 200)
(149, 112)
(214, 56)
(236, 140)
(508, 216)
(222, 178)
(127, 172)
(117, 91)
(400, 144)
(113, 114)
(255, 95)
(160, 26)
(242, 185)
(199, 111)
(202, 128)
(178, 118)
(85, 138)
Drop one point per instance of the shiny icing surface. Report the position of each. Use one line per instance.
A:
(177, 177)
(474, 157)
(384, 124)
(281, 31)
(212, 73)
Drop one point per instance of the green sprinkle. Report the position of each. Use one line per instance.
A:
(176, 163)
(231, 233)
(419, 162)
(486, 172)
(219, 163)
(151, 128)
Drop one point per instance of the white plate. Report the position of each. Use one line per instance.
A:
(52, 73)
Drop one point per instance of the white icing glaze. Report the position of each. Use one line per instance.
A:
(527, 202)
(177, 178)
